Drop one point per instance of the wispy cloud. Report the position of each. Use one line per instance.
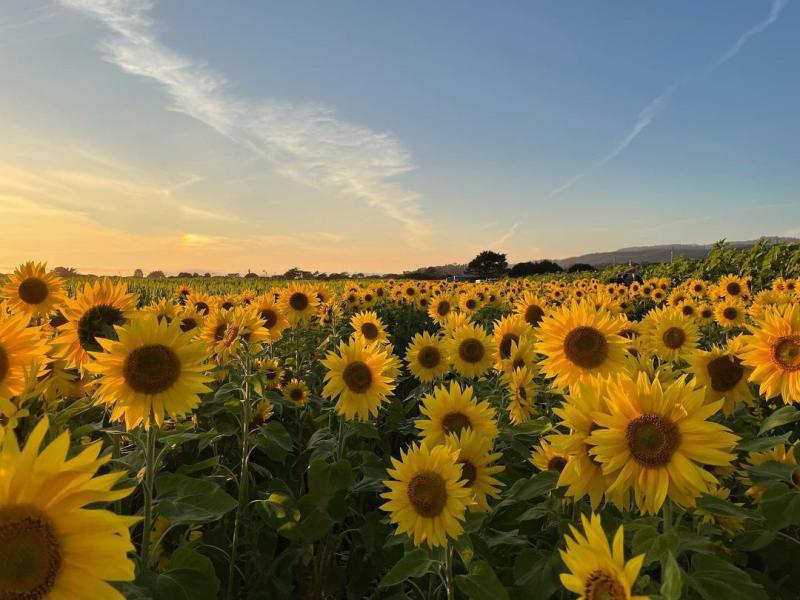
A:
(307, 143)
(498, 243)
(191, 211)
(660, 102)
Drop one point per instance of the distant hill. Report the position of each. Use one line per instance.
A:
(655, 254)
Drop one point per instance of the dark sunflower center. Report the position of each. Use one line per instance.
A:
(601, 585)
(557, 463)
(188, 324)
(522, 393)
(369, 331)
(33, 291)
(429, 357)
(57, 320)
(730, 313)
(5, 364)
(30, 553)
(673, 338)
(443, 308)
(152, 369)
(296, 394)
(454, 422)
(586, 347)
(725, 372)
(470, 304)
(357, 376)
(98, 322)
(227, 305)
(269, 316)
(469, 472)
(687, 310)
(517, 363)
(786, 353)
(471, 350)
(652, 439)
(219, 332)
(298, 301)
(505, 344)
(201, 307)
(427, 494)
(706, 313)
(733, 288)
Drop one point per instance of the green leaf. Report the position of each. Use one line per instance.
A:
(714, 578)
(187, 558)
(536, 571)
(414, 564)
(782, 416)
(655, 546)
(534, 487)
(780, 506)
(183, 584)
(671, 578)
(772, 472)
(758, 444)
(463, 546)
(717, 506)
(275, 440)
(185, 499)
(481, 583)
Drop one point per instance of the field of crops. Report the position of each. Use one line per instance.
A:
(521, 438)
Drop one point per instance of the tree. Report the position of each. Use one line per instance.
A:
(138, 273)
(184, 274)
(65, 271)
(578, 267)
(250, 275)
(488, 264)
(534, 268)
(156, 275)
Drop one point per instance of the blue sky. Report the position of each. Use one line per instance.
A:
(380, 136)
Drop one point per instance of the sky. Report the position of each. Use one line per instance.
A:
(191, 135)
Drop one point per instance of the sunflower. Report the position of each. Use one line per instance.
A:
(579, 342)
(202, 303)
(92, 315)
(275, 322)
(224, 331)
(773, 350)
(427, 497)
(730, 313)
(548, 456)
(297, 391)
(469, 302)
(732, 286)
(426, 357)
(23, 353)
(440, 308)
(51, 544)
(507, 331)
(582, 475)
(182, 293)
(368, 327)
(669, 334)
(470, 350)
(531, 308)
(163, 309)
(356, 378)
(153, 368)
(779, 454)
(475, 457)
(721, 372)
(298, 302)
(191, 319)
(729, 524)
(597, 570)
(449, 410)
(455, 320)
(262, 412)
(32, 290)
(521, 392)
(522, 355)
(705, 314)
(270, 374)
(656, 441)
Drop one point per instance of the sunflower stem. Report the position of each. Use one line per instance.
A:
(667, 515)
(448, 571)
(150, 468)
(244, 475)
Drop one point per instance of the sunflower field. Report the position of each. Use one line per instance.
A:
(514, 439)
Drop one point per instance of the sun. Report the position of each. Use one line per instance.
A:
(153, 369)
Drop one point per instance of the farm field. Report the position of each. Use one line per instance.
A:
(548, 437)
